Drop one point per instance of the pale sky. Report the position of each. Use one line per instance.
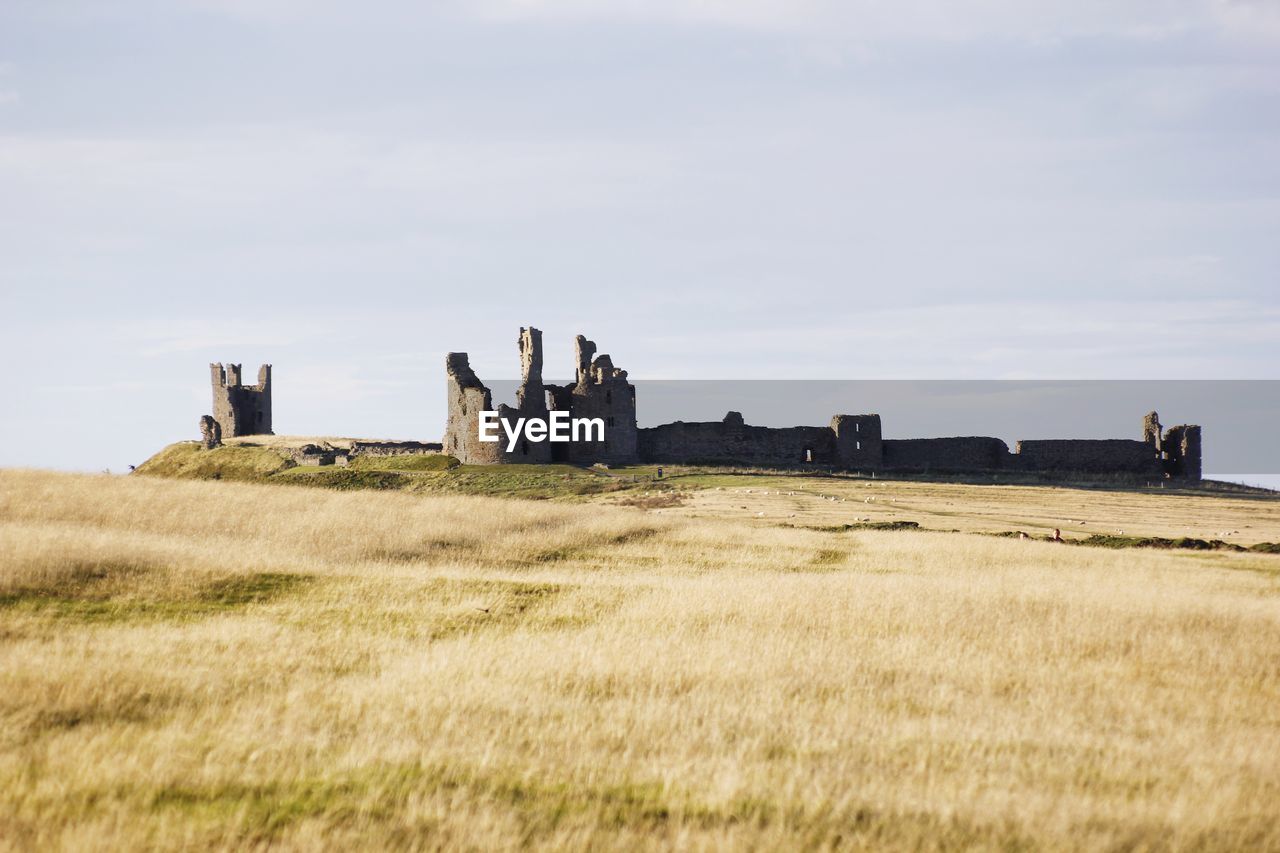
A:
(728, 188)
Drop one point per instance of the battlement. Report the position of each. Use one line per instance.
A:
(241, 409)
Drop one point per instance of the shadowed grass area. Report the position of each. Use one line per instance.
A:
(1185, 543)
(539, 808)
(261, 812)
(442, 608)
(499, 604)
(431, 462)
(868, 525)
(348, 479)
(107, 592)
(529, 481)
(542, 810)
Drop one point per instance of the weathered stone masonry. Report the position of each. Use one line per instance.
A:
(241, 409)
(849, 442)
(468, 397)
(600, 390)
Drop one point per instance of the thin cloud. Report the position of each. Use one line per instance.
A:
(927, 19)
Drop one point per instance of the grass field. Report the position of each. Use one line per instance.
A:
(1243, 519)
(186, 663)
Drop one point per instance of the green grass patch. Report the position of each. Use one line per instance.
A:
(108, 599)
(412, 462)
(1185, 543)
(188, 460)
(263, 811)
(539, 482)
(542, 810)
(582, 552)
(863, 525)
(257, 588)
(427, 473)
(1181, 543)
(345, 479)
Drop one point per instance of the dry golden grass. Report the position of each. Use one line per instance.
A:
(219, 664)
(1242, 520)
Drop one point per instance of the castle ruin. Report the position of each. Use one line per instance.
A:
(240, 409)
(600, 390)
(848, 442)
(851, 442)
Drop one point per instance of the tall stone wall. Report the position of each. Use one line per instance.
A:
(466, 397)
(1151, 430)
(859, 444)
(731, 441)
(602, 391)
(851, 442)
(531, 400)
(241, 409)
(966, 453)
(1182, 451)
(1094, 456)
(1178, 447)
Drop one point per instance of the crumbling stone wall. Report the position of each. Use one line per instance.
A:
(1094, 456)
(1178, 449)
(600, 390)
(395, 448)
(321, 454)
(859, 444)
(1175, 453)
(241, 409)
(467, 397)
(531, 399)
(1151, 430)
(210, 432)
(966, 453)
(852, 442)
(1182, 451)
(732, 441)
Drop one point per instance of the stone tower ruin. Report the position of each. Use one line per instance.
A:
(1178, 450)
(600, 390)
(241, 409)
(468, 397)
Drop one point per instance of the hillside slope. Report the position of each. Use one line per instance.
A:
(223, 664)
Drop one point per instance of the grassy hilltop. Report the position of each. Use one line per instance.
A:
(1111, 513)
(721, 660)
